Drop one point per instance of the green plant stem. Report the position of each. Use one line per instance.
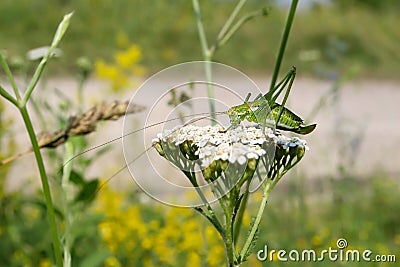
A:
(79, 93)
(35, 79)
(66, 192)
(239, 24)
(267, 190)
(284, 40)
(229, 242)
(210, 90)
(207, 57)
(62, 27)
(9, 97)
(228, 23)
(45, 185)
(200, 29)
(242, 208)
(10, 77)
(210, 214)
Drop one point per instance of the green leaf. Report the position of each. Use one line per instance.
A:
(88, 191)
(76, 178)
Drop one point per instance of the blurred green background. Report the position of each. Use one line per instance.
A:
(126, 228)
(325, 34)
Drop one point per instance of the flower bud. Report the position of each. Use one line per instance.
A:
(188, 150)
(300, 152)
(252, 164)
(209, 172)
(157, 145)
(279, 153)
(85, 66)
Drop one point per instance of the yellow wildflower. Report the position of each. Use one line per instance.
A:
(193, 260)
(112, 262)
(129, 57)
(316, 240)
(45, 263)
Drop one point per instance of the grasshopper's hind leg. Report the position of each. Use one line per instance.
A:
(286, 95)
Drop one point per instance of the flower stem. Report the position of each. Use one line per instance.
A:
(210, 90)
(284, 40)
(45, 185)
(247, 245)
(229, 239)
(242, 208)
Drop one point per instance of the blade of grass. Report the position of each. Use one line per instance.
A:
(282, 47)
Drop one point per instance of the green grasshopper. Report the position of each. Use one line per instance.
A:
(257, 110)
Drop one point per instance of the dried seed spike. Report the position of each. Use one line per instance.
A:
(54, 139)
(82, 124)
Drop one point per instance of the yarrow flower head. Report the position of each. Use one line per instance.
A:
(214, 149)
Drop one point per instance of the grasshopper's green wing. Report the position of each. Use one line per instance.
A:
(289, 121)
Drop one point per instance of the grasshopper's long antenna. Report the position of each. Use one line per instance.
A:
(121, 169)
(286, 94)
(138, 130)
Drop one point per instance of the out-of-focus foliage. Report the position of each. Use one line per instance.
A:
(124, 229)
(166, 32)
(373, 5)
(125, 65)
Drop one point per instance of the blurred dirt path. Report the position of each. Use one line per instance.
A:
(358, 129)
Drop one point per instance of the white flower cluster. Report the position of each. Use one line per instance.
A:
(234, 145)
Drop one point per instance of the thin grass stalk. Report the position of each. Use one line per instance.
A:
(66, 194)
(282, 47)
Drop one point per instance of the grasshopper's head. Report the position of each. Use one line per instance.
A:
(234, 117)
